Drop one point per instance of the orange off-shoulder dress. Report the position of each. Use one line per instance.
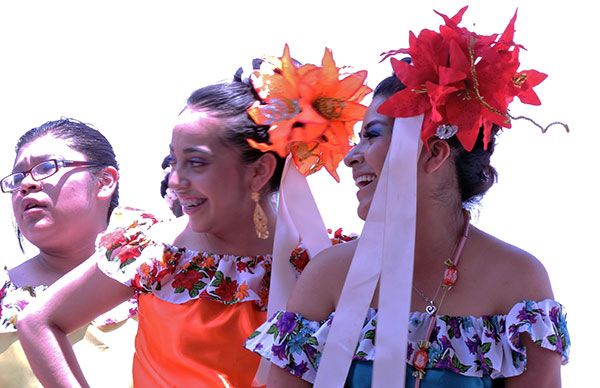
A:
(196, 309)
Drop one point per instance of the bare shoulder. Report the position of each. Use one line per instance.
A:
(21, 274)
(30, 273)
(321, 282)
(515, 274)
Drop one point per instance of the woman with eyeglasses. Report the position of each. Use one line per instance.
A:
(64, 188)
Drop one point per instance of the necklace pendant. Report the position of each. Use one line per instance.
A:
(420, 360)
(430, 308)
(450, 276)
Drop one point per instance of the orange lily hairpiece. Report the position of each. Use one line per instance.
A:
(311, 110)
(461, 81)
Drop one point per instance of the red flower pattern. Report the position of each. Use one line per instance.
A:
(187, 280)
(127, 253)
(299, 258)
(113, 239)
(227, 289)
(228, 279)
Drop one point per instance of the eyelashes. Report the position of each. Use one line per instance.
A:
(370, 134)
(193, 162)
(197, 163)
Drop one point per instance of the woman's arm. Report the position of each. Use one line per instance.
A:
(73, 301)
(531, 282)
(543, 368)
(314, 297)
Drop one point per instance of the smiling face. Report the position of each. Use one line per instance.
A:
(59, 209)
(208, 176)
(367, 158)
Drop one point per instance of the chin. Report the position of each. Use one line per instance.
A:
(38, 235)
(363, 210)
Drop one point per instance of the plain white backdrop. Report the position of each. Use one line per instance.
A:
(128, 66)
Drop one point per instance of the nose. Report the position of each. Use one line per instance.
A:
(177, 179)
(28, 184)
(354, 156)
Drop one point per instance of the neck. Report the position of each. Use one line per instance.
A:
(439, 228)
(64, 255)
(242, 239)
(58, 261)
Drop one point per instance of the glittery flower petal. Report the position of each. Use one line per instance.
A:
(405, 103)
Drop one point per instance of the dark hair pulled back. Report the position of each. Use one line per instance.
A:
(229, 101)
(82, 138)
(474, 172)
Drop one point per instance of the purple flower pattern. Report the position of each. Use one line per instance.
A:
(468, 345)
(286, 323)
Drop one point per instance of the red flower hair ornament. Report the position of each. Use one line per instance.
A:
(461, 81)
(310, 110)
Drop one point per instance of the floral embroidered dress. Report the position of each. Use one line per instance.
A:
(106, 344)
(465, 351)
(196, 309)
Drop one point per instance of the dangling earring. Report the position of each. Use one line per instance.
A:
(260, 218)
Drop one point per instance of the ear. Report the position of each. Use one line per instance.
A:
(107, 182)
(434, 155)
(261, 171)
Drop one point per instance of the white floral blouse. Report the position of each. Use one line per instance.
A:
(487, 346)
(178, 275)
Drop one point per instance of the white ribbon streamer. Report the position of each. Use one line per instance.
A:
(298, 218)
(386, 244)
(395, 286)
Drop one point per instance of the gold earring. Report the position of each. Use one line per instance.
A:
(260, 218)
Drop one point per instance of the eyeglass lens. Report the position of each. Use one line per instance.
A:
(38, 172)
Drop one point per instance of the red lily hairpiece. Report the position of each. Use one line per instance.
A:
(461, 81)
(310, 110)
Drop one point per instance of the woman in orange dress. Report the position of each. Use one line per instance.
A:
(203, 278)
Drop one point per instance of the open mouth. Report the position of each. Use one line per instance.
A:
(364, 180)
(191, 203)
(32, 205)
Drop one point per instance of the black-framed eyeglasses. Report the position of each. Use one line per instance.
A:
(40, 171)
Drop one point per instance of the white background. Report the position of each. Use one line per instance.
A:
(128, 66)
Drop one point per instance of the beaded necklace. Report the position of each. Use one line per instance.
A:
(421, 356)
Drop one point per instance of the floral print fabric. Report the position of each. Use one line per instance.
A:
(470, 346)
(178, 275)
(14, 299)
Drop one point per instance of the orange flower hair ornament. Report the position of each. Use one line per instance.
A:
(461, 81)
(311, 110)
